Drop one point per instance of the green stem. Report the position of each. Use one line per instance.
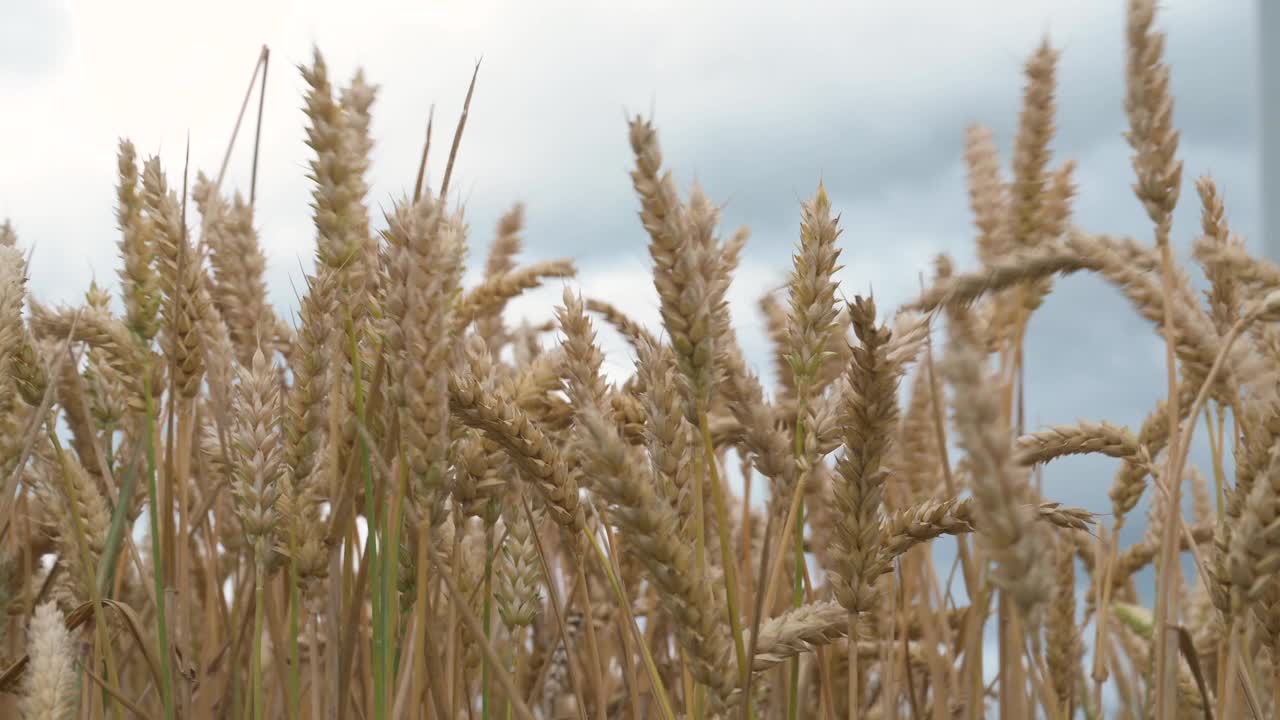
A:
(295, 599)
(655, 680)
(380, 645)
(793, 693)
(259, 603)
(699, 522)
(90, 577)
(726, 555)
(119, 517)
(797, 592)
(166, 678)
(391, 582)
(700, 563)
(515, 663)
(488, 611)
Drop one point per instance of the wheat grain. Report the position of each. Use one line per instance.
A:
(1007, 525)
(411, 416)
(869, 419)
(50, 692)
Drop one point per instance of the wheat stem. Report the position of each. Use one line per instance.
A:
(655, 680)
(726, 551)
(166, 687)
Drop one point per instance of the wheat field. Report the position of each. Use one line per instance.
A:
(408, 503)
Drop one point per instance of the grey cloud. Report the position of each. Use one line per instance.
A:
(890, 152)
(758, 120)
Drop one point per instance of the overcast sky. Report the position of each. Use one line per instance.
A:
(755, 100)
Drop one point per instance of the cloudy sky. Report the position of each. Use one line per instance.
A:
(757, 101)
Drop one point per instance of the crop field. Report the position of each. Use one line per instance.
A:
(405, 501)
